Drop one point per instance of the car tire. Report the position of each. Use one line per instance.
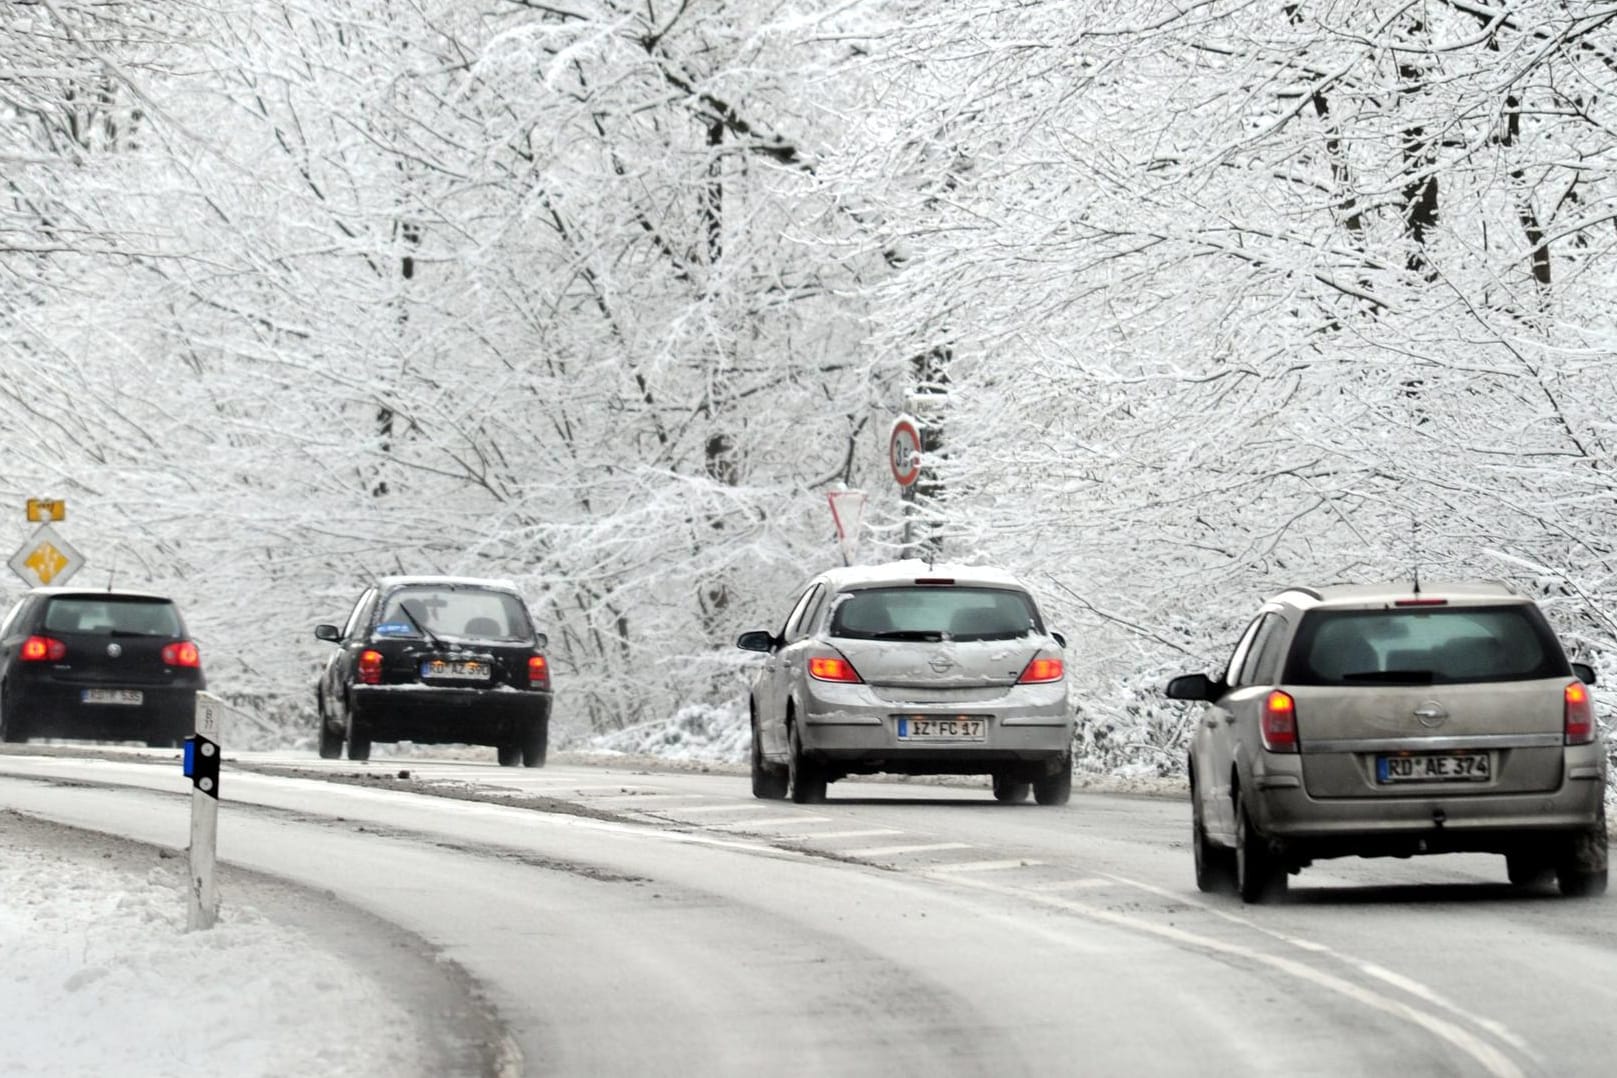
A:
(804, 777)
(161, 743)
(1259, 875)
(330, 741)
(769, 782)
(359, 745)
(508, 755)
(1055, 789)
(1215, 865)
(1582, 871)
(1010, 791)
(536, 743)
(1527, 869)
(10, 729)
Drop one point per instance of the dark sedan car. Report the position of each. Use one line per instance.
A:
(101, 665)
(436, 660)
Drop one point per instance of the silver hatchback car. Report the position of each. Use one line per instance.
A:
(1392, 721)
(915, 669)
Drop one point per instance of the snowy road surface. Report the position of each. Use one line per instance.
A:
(627, 922)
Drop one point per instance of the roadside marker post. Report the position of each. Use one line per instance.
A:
(202, 768)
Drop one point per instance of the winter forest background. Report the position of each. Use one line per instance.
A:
(1196, 300)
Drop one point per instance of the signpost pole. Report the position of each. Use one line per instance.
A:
(202, 768)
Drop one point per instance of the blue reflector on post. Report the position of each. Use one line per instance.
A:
(190, 755)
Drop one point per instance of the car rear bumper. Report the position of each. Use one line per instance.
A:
(849, 729)
(1429, 820)
(58, 709)
(443, 715)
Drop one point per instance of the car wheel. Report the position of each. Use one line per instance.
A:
(536, 743)
(1010, 792)
(1582, 871)
(1526, 869)
(508, 755)
(359, 744)
(1259, 876)
(10, 727)
(1055, 789)
(160, 743)
(330, 740)
(806, 780)
(768, 781)
(1215, 865)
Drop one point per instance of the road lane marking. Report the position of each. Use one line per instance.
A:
(888, 851)
(868, 833)
(981, 866)
(738, 807)
(650, 797)
(772, 821)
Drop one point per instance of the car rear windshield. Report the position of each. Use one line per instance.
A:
(1425, 645)
(464, 613)
(930, 612)
(112, 616)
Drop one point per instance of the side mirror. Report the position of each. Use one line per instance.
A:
(327, 632)
(757, 640)
(1194, 687)
(541, 641)
(1584, 673)
(1060, 639)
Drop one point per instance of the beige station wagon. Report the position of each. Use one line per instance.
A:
(1393, 721)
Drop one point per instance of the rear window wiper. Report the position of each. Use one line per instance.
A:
(909, 634)
(1392, 677)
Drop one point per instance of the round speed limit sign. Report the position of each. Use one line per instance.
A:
(904, 452)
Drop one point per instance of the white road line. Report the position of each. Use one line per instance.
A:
(888, 851)
(1084, 884)
(773, 821)
(650, 797)
(870, 833)
(981, 866)
(738, 807)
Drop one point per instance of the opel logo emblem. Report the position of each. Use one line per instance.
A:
(1431, 714)
(115, 650)
(940, 664)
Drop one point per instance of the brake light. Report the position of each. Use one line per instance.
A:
(935, 581)
(538, 672)
(181, 653)
(370, 667)
(1580, 714)
(833, 668)
(1279, 723)
(40, 649)
(1042, 669)
(1420, 602)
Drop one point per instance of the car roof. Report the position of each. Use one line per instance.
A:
(64, 592)
(389, 583)
(888, 574)
(1385, 594)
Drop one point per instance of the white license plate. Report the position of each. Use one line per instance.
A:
(130, 697)
(1435, 767)
(457, 670)
(945, 728)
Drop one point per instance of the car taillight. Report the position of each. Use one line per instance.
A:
(1040, 669)
(1580, 714)
(538, 672)
(41, 649)
(181, 653)
(833, 668)
(1279, 723)
(370, 667)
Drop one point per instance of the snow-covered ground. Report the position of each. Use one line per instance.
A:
(99, 977)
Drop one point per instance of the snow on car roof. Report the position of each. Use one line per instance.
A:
(905, 572)
(387, 583)
(62, 591)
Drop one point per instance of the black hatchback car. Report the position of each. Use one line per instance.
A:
(436, 660)
(100, 665)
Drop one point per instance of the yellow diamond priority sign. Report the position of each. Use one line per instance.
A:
(46, 558)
